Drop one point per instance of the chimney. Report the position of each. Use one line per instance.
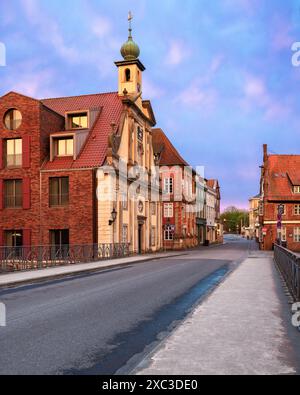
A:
(265, 149)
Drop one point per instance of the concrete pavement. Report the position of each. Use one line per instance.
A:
(107, 321)
(242, 328)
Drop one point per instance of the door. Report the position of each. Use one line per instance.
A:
(140, 239)
(59, 240)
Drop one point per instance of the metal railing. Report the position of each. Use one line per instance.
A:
(39, 257)
(289, 266)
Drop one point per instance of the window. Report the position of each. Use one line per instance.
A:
(283, 234)
(169, 233)
(153, 236)
(13, 154)
(125, 234)
(58, 191)
(168, 210)
(78, 121)
(153, 208)
(12, 119)
(140, 134)
(124, 201)
(65, 147)
(297, 189)
(297, 209)
(59, 237)
(13, 193)
(297, 235)
(168, 185)
(127, 75)
(13, 238)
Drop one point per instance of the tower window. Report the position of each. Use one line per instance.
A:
(127, 75)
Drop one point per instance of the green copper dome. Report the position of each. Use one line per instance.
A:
(130, 50)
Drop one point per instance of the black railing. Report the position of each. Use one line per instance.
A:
(39, 257)
(289, 266)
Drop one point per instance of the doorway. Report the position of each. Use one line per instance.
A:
(140, 239)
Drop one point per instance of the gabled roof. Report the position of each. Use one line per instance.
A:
(282, 172)
(169, 156)
(94, 152)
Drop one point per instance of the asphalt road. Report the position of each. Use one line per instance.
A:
(106, 322)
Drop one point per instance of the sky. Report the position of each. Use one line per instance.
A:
(218, 73)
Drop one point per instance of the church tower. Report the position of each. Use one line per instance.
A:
(130, 69)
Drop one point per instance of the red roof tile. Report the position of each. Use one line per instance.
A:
(94, 152)
(169, 156)
(282, 172)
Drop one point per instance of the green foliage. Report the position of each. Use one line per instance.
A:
(234, 219)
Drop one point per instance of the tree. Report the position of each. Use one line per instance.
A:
(234, 219)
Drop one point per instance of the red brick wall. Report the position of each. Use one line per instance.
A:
(30, 109)
(270, 214)
(38, 122)
(77, 216)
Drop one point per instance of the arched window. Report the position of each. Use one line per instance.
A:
(127, 75)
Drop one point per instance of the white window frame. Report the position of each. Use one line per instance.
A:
(297, 234)
(168, 233)
(168, 185)
(168, 210)
(296, 189)
(283, 234)
(297, 209)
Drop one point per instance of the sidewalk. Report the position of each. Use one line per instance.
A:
(239, 329)
(27, 277)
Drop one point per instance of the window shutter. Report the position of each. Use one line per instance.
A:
(26, 193)
(1, 194)
(1, 154)
(26, 237)
(26, 152)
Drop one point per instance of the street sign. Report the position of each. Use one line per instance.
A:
(264, 230)
(281, 209)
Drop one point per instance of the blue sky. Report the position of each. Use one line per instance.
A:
(219, 73)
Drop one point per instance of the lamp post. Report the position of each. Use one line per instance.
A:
(112, 222)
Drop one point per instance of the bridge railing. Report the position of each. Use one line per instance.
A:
(39, 257)
(289, 266)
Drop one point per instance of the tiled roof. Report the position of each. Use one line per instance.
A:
(282, 172)
(94, 151)
(211, 183)
(169, 156)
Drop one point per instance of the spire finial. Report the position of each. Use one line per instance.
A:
(130, 17)
(130, 50)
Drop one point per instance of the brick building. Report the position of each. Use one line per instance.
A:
(182, 212)
(280, 185)
(57, 157)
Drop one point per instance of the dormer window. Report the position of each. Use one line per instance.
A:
(77, 121)
(65, 147)
(297, 189)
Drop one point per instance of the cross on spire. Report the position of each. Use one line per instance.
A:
(130, 17)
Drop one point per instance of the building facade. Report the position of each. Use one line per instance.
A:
(279, 206)
(253, 230)
(214, 232)
(178, 183)
(79, 170)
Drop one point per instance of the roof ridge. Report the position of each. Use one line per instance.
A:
(74, 96)
(172, 147)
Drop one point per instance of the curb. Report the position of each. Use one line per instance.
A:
(54, 277)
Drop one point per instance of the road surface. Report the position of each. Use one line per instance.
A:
(105, 322)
